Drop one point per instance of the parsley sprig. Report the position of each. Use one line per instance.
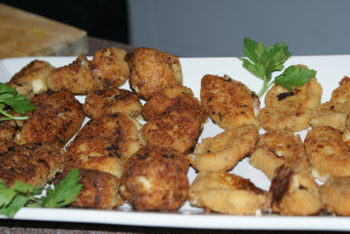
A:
(9, 97)
(263, 61)
(23, 194)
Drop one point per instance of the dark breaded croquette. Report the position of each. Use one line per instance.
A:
(174, 98)
(100, 190)
(276, 148)
(152, 70)
(290, 110)
(227, 193)
(225, 150)
(33, 163)
(229, 103)
(104, 143)
(155, 178)
(8, 131)
(110, 101)
(177, 130)
(75, 77)
(294, 192)
(109, 67)
(31, 79)
(55, 119)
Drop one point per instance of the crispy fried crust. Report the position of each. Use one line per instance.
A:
(8, 131)
(276, 148)
(294, 192)
(335, 195)
(176, 98)
(31, 79)
(328, 153)
(229, 103)
(109, 67)
(99, 191)
(177, 130)
(155, 178)
(152, 70)
(33, 163)
(55, 119)
(226, 193)
(104, 143)
(75, 77)
(110, 101)
(286, 110)
(225, 150)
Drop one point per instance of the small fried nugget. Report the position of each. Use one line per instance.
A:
(327, 114)
(294, 192)
(33, 163)
(31, 79)
(276, 148)
(104, 143)
(100, 190)
(225, 150)
(8, 131)
(227, 193)
(109, 67)
(335, 195)
(229, 103)
(55, 119)
(155, 178)
(152, 70)
(177, 130)
(290, 110)
(110, 101)
(342, 93)
(174, 98)
(75, 77)
(328, 153)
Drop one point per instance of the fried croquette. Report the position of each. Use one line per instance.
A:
(174, 98)
(225, 150)
(33, 163)
(290, 110)
(335, 195)
(109, 67)
(328, 153)
(104, 143)
(155, 178)
(335, 113)
(229, 103)
(99, 190)
(227, 193)
(110, 101)
(75, 77)
(294, 192)
(152, 70)
(327, 114)
(177, 130)
(8, 131)
(55, 119)
(31, 79)
(276, 148)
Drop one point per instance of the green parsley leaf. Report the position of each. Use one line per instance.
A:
(64, 193)
(9, 97)
(23, 194)
(294, 76)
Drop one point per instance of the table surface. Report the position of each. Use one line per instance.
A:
(19, 227)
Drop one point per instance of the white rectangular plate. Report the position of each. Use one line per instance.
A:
(330, 70)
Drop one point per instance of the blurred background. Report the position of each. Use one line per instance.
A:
(206, 27)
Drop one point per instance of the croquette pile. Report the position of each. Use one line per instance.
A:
(136, 146)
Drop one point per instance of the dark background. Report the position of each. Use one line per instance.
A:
(106, 19)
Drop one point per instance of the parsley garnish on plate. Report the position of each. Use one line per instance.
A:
(23, 194)
(263, 61)
(9, 97)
